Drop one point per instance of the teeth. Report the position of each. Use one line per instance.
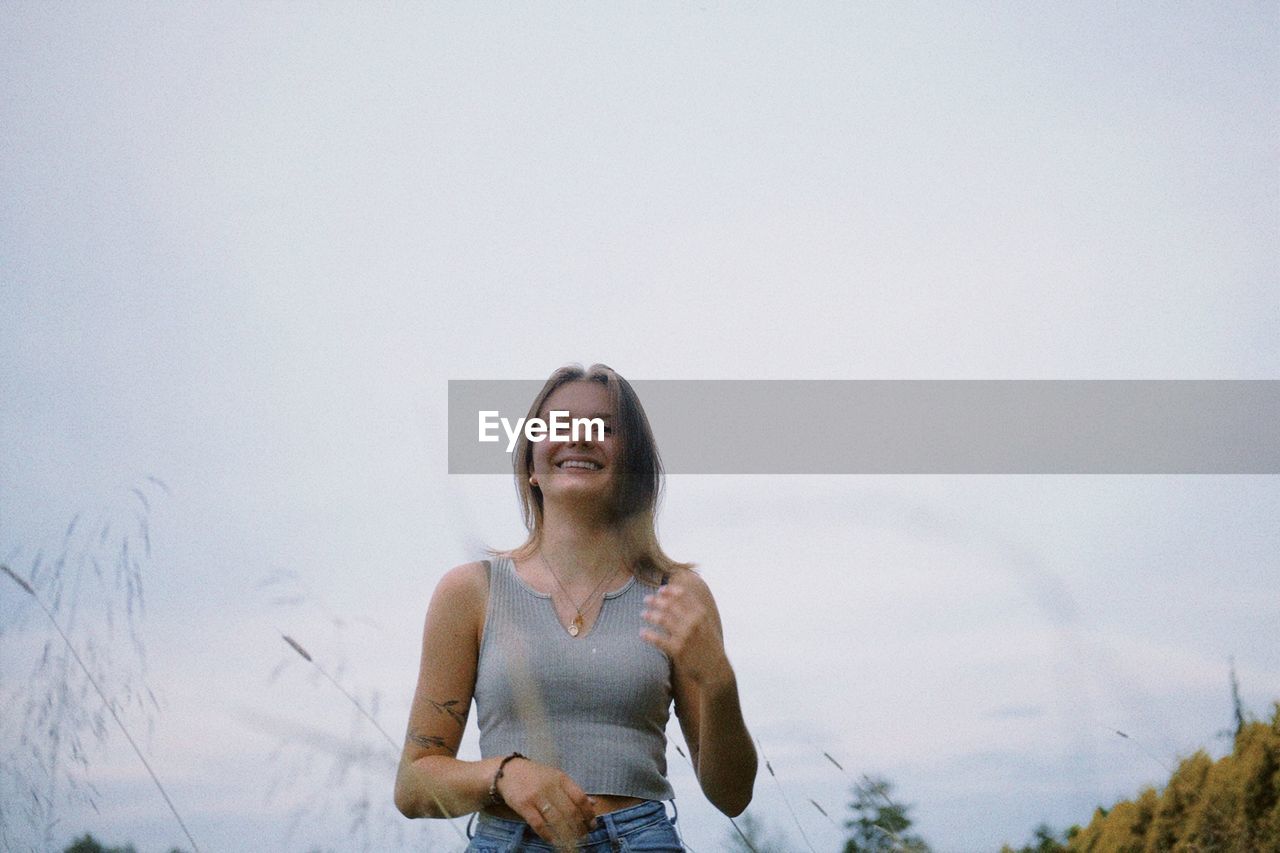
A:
(574, 463)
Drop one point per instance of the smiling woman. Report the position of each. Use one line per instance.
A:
(574, 647)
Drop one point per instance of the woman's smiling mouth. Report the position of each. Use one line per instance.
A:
(579, 463)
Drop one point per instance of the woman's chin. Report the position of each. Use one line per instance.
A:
(591, 494)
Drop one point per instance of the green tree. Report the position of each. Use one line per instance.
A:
(89, 844)
(878, 823)
(1044, 840)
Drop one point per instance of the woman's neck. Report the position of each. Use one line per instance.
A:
(579, 551)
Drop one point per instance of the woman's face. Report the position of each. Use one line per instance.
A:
(575, 470)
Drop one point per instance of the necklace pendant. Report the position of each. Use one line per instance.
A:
(575, 626)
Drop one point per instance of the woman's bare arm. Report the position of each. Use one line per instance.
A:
(720, 746)
(431, 781)
(706, 691)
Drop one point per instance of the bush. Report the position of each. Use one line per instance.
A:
(1231, 805)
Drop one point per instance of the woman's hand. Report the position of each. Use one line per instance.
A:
(548, 800)
(690, 629)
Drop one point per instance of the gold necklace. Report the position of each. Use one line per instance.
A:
(575, 627)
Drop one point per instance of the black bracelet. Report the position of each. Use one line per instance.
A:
(494, 797)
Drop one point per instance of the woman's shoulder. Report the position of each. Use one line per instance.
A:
(466, 583)
(693, 578)
(689, 581)
(458, 604)
(658, 569)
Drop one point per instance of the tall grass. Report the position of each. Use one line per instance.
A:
(395, 748)
(326, 776)
(110, 706)
(90, 668)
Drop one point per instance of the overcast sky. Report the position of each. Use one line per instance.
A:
(243, 248)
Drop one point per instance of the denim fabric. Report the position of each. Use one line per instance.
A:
(644, 828)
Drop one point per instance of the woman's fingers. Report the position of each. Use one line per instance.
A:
(685, 629)
(560, 814)
(661, 611)
(659, 614)
(673, 616)
(660, 640)
(549, 821)
(568, 827)
(551, 826)
(584, 806)
(549, 801)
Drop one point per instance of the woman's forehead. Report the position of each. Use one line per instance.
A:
(580, 398)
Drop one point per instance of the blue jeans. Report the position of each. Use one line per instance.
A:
(637, 829)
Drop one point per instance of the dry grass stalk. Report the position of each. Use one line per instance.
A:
(874, 790)
(305, 655)
(90, 588)
(785, 800)
(105, 701)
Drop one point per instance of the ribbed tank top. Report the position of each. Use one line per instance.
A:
(596, 706)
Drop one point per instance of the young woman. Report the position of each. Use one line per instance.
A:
(574, 646)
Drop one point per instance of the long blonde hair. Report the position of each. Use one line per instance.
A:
(637, 483)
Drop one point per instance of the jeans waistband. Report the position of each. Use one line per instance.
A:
(611, 824)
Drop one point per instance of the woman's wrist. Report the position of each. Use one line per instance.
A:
(495, 795)
(719, 678)
(441, 786)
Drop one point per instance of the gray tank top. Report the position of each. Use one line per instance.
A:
(596, 706)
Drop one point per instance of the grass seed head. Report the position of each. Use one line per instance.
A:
(19, 581)
(297, 648)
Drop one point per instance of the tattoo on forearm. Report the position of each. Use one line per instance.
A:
(431, 742)
(450, 708)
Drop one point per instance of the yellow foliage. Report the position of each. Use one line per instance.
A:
(1229, 805)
